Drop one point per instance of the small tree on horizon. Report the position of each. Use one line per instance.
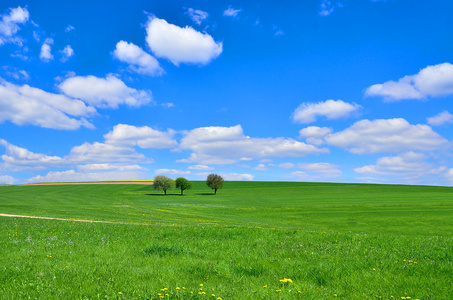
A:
(215, 182)
(183, 184)
(162, 182)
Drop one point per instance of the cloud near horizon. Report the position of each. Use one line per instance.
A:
(227, 145)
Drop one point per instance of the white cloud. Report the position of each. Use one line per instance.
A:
(237, 177)
(432, 81)
(67, 52)
(18, 158)
(139, 61)
(226, 145)
(287, 165)
(331, 109)
(104, 92)
(46, 50)
(25, 105)
(260, 167)
(315, 172)
(201, 168)
(9, 25)
(144, 137)
(96, 152)
(6, 179)
(198, 16)
(110, 166)
(410, 168)
(326, 8)
(181, 45)
(231, 12)
(72, 175)
(314, 135)
(386, 136)
(69, 28)
(441, 118)
(171, 172)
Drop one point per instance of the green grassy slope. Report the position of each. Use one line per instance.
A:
(334, 241)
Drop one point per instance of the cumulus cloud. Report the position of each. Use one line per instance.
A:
(201, 168)
(198, 16)
(109, 167)
(314, 135)
(171, 172)
(66, 53)
(181, 45)
(143, 137)
(313, 171)
(441, 119)
(326, 8)
(287, 165)
(226, 145)
(260, 167)
(409, 168)
(231, 12)
(26, 105)
(72, 175)
(331, 109)
(432, 81)
(46, 50)
(104, 92)
(103, 153)
(9, 25)
(6, 179)
(139, 61)
(18, 158)
(386, 136)
(69, 28)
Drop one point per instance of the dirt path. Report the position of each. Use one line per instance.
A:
(59, 219)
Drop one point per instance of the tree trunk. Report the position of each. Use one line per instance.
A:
(165, 191)
(181, 192)
(215, 191)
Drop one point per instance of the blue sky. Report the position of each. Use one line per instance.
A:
(316, 90)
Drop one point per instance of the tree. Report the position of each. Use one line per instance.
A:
(215, 182)
(163, 183)
(183, 184)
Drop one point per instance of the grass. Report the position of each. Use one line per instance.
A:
(334, 241)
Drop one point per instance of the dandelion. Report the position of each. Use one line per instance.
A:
(265, 286)
(284, 280)
(335, 295)
(213, 295)
(278, 291)
(201, 284)
(177, 288)
(120, 293)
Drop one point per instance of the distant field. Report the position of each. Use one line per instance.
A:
(334, 241)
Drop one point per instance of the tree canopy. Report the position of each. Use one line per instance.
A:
(162, 182)
(215, 182)
(183, 184)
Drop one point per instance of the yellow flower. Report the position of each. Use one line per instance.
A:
(335, 295)
(213, 295)
(201, 284)
(265, 286)
(278, 291)
(120, 293)
(177, 288)
(218, 298)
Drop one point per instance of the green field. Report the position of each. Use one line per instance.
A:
(334, 241)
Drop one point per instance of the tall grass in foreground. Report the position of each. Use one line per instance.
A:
(203, 247)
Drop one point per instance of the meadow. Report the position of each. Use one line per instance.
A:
(253, 240)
